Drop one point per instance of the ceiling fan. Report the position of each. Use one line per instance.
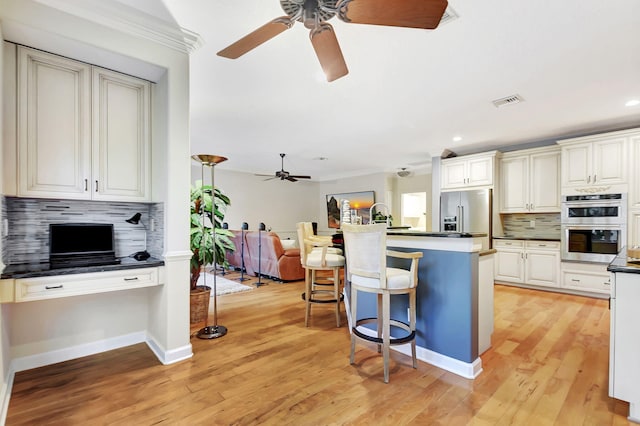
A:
(313, 14)
(285, 175)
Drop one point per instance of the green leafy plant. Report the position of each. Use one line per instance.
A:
(381, 218)
(202, 241)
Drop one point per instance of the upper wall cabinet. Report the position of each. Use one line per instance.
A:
(468, 171)
(634, 171)
(530, 181)
(83, 132)
(595, 164)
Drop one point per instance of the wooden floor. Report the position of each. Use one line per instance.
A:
(548, 365)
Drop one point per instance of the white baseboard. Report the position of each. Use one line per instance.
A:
(455, 366)
(73, 352)
(5, 396)
(172, 356)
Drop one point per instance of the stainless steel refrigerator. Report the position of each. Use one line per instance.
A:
(467, 211)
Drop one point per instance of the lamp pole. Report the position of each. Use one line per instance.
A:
(211, 331)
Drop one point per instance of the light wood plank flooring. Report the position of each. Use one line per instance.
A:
(548, 365)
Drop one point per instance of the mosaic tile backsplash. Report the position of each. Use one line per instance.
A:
(29, 218)
(547, 225)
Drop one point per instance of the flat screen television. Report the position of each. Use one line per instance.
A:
(81, 244)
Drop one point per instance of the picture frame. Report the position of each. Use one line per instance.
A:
(359, 202)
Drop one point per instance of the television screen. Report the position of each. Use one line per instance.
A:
(359, 204)
(80, 238)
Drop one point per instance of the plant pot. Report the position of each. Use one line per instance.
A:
(199, 310)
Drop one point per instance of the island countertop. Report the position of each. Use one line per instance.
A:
(414, 233)
(620, 263)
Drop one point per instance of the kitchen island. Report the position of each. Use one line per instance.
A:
(624, 347)
(454, 298)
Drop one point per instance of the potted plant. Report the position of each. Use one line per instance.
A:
(202, 241)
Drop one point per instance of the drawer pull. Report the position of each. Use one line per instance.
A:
(575, 280)
(607, 283)
(131, 279)
(542, 245)
(52, 287)
(508, 244)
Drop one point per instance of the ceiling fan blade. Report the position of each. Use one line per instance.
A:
(300, 176)
(328, 51)
(424, 14)
(256, 38)
(292, 179)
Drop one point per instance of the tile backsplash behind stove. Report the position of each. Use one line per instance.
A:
(29, 219)
(518, 225)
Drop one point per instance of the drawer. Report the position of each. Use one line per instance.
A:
(514, 244)
(40, 288)
(595, 282)
(542, 245)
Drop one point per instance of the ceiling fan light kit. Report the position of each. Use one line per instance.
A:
(424, 14)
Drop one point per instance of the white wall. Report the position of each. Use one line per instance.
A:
(278, 204)
(161, 313)
(4, 339)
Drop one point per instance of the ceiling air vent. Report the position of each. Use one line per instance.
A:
(509, 100)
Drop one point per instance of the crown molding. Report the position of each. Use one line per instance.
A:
(130, 20)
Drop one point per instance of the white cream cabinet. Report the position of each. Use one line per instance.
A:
(530, 181)
(83, 131)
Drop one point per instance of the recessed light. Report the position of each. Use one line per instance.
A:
(457, 138)
(632, 102)
(321, 158)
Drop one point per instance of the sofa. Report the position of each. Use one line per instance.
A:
(275, 261)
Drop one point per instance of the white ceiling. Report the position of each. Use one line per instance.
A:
(409, 92)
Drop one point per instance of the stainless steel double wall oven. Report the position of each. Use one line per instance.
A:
(594, 227)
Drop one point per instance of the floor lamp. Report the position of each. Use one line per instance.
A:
(211, 331)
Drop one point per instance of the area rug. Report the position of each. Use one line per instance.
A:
(223, 285)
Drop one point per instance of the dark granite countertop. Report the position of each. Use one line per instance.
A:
(436, 234)
(526, 238)
(31, 270)
(621, 263)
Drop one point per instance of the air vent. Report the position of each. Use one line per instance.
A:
(448, 16)
(509, 100)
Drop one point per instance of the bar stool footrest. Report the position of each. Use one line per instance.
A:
(375, 339)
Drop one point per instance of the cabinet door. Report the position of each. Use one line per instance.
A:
(121, 143)
(514, 187)
(54, 126)
(634, 187)
(509, 266)
(609, 161)
(541, 267)
(454, 174)
(544, 178)
(480, 171)
(576, 165)
(634, 228)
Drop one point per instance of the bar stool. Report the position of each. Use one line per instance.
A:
(314, 257)
(366, 253)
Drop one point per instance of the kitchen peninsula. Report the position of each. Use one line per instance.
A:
(454, 298)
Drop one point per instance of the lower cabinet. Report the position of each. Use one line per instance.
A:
(528, 262)
(586, 277)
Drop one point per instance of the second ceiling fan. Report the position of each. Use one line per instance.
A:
(282, 174)
(425, 14)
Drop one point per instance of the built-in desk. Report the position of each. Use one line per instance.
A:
(453, 326)
(37, 281)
